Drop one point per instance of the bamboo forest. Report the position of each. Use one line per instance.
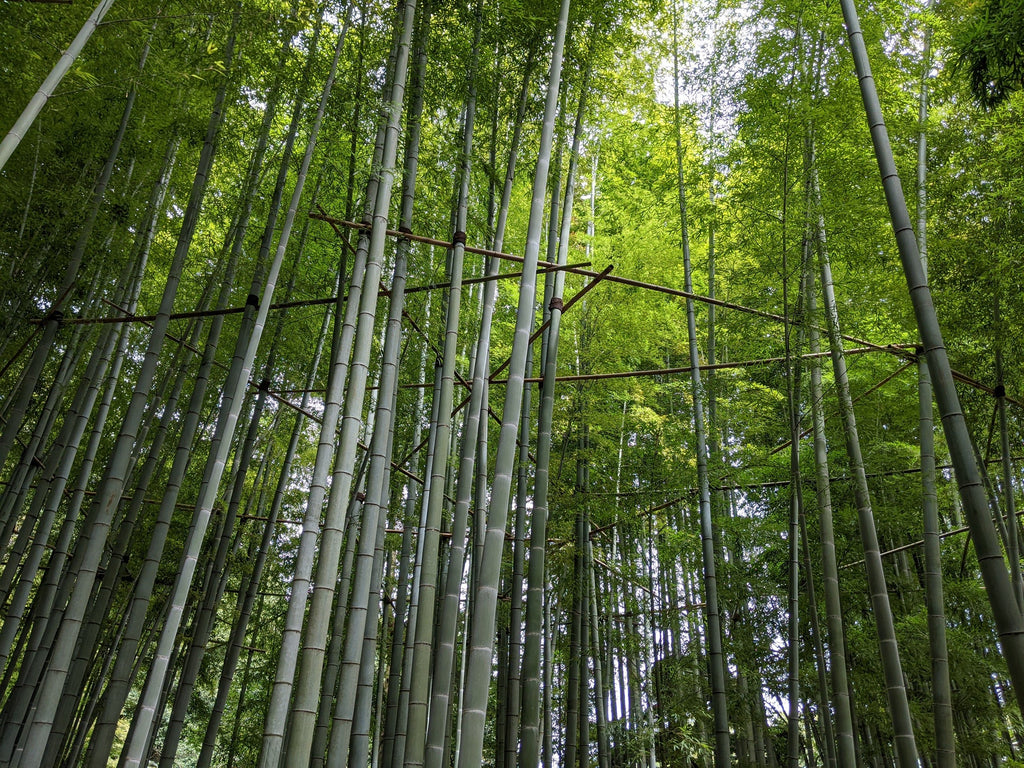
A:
(511, 383)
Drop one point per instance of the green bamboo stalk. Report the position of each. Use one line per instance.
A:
(38, 101)
(1009, 502)
(845, 745)
(892, 668)
(942, 710)
(438, 723)
(599, 656)
(408, 670)
(716, 658)
(1008, 619)
(240, 627)
(329, 680)
(405, 598)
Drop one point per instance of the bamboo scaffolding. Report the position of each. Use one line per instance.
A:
(396, 466)
(899, 350)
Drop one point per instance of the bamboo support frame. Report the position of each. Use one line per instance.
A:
(904, 351)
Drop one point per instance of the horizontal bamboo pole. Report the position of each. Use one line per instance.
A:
(126, 317)
(919, 543)
(667, 371)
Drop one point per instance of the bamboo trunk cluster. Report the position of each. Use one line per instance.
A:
(188, 547)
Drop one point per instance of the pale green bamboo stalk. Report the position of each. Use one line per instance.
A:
(240, 628)
(573, 675)
(38, 101)
(303, 717)
(1009, 503)
(845, 749)
(796, 512)
(408, 672)
(598, 655)
(410, 166)
(548, 664)
(332, 667)
(530, 696)
(212, 592)
(397, 658)
(425, 740)
(358, 614)
(512, 700)
(333, 707)
(481, 645)
(942, 710)
(369, 698)
(230, 407)
(438, 723)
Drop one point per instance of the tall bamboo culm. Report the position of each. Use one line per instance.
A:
(1008, 619)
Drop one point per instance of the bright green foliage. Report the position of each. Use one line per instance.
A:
(990, 50)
